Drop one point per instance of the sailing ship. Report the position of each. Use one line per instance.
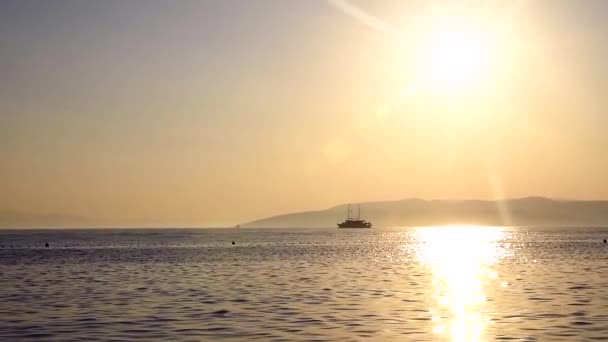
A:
(352, 222)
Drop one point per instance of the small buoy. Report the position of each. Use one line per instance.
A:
(234, 243)
(605, 241)
(46, 245)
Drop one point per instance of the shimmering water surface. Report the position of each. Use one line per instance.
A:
(427, 284)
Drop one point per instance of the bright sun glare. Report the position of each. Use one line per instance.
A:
(455, 59)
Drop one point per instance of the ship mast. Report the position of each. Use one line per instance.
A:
(348, 212)
(359, 212)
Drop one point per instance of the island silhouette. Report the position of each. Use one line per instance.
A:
(527, 211)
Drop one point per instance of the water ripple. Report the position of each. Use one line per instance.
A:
(273, 285)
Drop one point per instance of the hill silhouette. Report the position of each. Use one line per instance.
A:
(528, 211)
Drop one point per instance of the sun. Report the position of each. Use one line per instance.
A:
(455, 59)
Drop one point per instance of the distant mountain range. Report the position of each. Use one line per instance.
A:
(528, 211)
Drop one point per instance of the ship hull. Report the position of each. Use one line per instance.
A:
(356, 225)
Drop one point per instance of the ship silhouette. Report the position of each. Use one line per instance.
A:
(351, 222)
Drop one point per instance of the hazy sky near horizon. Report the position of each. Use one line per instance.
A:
(218, 112)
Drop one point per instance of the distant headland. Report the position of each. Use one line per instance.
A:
(527, 211)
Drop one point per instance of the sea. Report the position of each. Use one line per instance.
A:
(452, 283)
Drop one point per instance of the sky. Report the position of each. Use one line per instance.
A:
(211, 113)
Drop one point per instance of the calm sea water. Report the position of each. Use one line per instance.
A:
(431, 284)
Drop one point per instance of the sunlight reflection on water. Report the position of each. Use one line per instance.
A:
(461, 260)
(403, 284)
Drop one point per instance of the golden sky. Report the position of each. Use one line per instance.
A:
(214, 113)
